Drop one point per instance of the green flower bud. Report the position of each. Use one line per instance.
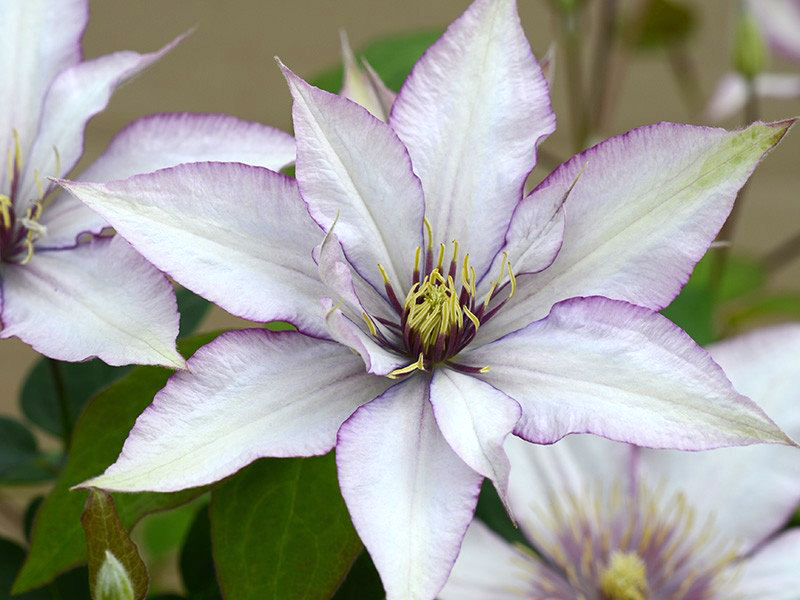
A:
(750, 53)
(113, 581)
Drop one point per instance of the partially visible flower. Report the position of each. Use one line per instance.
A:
(778, 22)
(363, 85)
(474, 312)
(64, 289)
(616, 522)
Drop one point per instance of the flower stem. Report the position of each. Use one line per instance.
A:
(574, 65)
(782, 255)
(720, 262)
(602, 60)
(63, 404)
(685, 74)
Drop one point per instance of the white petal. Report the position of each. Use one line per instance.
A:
(165, 140)
(471, 115)
(644, 210)
(246, 395)
(352, 169)
(364, 86)
(763, 481)
(731, 94)
(410, 496)
(77, 94)
(623, 372)
(780, 23)
(772, 573)
(237, 235)
(41, 38)
(475, 419)
(489, 568)
(98, 299)
(575, 465)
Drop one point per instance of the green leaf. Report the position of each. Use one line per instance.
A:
(392, 57)
(693, 310)
(660, 23)
(39, 398)
(58, 542)
(74, 584)
(162, 534)
(363, 581)
(20, 458)
(772, 308)
(116, 570)
(192, 309)
(491, 511)
(197, 564)
(281, 530)
(30, 514)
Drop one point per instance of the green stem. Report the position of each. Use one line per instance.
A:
(63, 404)
(685, 74)
(574, 65)
(602, 60)
(720, 263)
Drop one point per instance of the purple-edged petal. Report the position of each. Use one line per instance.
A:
(409, 495)
(237, 235)
(471, 114)
(489, 568)
(645, 208)
(41, 38)
(363, 85)
(246, 395)
(779, 21)
(165, 140)
(762, 482)
(606, 367)
(377, 359)
(772, 573)
(475, 419)
(98, 299)
(77, 94)
(352, 169)
(730, 96)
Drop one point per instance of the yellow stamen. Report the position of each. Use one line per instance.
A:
(429, 230)
(472, 318)
(5, 210)
(17, 151)
(420, 364)
(372, 329)
(625, 578)
(416, 259)
(383, 274)
(441, 256)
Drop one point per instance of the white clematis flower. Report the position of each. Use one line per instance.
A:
(473, 313)
(69, 298)
(618, 522)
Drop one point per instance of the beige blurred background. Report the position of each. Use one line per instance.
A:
(226, 66)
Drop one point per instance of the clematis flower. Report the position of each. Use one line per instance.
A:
(779, 24)
(65, 290)
(473, 313)
(618, 522)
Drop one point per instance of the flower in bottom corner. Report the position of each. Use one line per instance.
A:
(66, 288)
(474, 313)
(611, 521)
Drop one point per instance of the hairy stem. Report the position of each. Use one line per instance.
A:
(602, 60)
(782, 255)
(685, 74)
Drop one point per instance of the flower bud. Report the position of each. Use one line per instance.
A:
(750, 54)
(113, 581)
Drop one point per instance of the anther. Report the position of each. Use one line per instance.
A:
(419, 365)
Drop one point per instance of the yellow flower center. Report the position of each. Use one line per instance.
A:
(625, 578)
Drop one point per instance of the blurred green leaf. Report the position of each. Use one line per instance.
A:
(363, 581)
(70, 586)
(660, 23)
(30, 514)
(20, 458)
(197, 564)
(39, 399)
(58, 542)
(105, 534)
(491, 511)
(781, 307)
(280, 529)
(693, 310)
(392, 58)
(162, 534)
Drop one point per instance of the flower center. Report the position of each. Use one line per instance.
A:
(19, 233)
(625, 578)
(441, 312)
(630, 546)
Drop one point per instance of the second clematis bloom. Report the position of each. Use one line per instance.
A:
(613, 521)
(438, 311)
(66, 290)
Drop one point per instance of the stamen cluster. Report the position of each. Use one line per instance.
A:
(438, 317)
(18, 234)
(619, 546)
